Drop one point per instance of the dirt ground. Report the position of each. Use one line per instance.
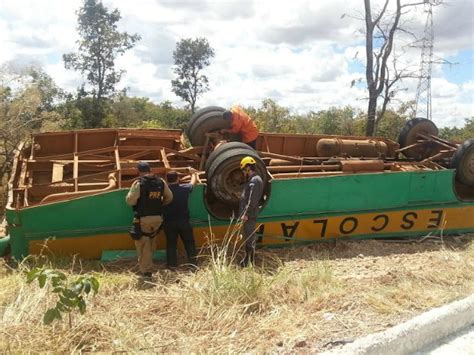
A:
(299, 299)
(388, 267)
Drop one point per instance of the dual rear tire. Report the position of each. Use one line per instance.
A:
(225, 180)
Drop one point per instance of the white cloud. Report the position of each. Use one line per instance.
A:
(303, 53)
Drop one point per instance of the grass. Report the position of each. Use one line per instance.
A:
(294, 299)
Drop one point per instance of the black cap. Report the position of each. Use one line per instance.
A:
(143, 167)
(171, 176)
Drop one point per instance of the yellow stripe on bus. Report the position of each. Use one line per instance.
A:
(426, 220)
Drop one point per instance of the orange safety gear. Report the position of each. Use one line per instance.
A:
(243, 125)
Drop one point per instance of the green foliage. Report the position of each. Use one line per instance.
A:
(390, 125)
(71, 294)
(190, 58)
(27, 99)
(459, 134)
(99, 46)
(270, 117)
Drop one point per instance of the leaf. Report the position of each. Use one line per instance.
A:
(95, 284)
(77, 288)
(50, 315)
(82, 305)
(42, 280)
(68, 293)
(30, 276)
(61, 307)
(67, 301)
(87, 287)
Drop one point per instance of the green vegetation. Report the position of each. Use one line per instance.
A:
(190, 58)
(99, 45)
(71, 294)
(295, 300)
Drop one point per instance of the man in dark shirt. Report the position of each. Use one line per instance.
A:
(176, 220)
(250, 207)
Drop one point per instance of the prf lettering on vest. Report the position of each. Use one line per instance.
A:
(153, 195)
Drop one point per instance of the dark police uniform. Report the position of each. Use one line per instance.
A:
(250, 207)
(176, 223)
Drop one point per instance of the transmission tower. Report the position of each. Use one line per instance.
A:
(423, 91)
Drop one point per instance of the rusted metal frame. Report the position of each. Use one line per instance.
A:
(117, 166)
(302, 168)
(282, 157)
(75, 170)
(140, 147)
(266, 143)
(193, 150)
(170, 151)
(22, 180)
(454, 145)
(204, 153)
(408, 147)
(284, 143)
(79, 178)
(440, 142)
(439, 155)
(91, 152)
(306, 139)
(166, 163)
(46, 190)
(155, 170)
(69, 195)
(32, 148)
(70, 161)
(135, 155)
(150, 135)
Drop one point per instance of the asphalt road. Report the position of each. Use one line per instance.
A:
(460, 343)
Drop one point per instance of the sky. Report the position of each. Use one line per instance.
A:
(304, 54)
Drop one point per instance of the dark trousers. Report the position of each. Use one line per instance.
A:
(185, 231)
(252, 144)
(250, 240)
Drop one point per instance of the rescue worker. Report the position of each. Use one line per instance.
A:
(250, 207)
(241, 124)
(176, 220)
(148, 194)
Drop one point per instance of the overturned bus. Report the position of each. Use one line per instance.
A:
(67, 190)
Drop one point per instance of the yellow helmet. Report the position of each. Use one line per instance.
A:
(246, 161)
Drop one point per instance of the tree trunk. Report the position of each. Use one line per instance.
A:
(371, 113)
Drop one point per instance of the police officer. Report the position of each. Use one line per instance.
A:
(147, 196)
(250, 207)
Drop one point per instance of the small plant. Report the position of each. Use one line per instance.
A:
(70, 293)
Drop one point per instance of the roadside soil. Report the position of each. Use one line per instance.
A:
(298, 299)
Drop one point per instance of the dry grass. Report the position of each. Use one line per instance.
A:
(299, 298)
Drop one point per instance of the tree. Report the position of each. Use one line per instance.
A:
(27, 97)
(459, 134)
(190, 58)
(100, 44)
(270, 117)
(380, 34)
